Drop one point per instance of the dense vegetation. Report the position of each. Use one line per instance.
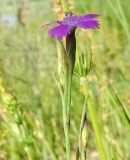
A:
(30, 105)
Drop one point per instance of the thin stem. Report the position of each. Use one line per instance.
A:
(64, 5)
(94, 120)
(69, 80)
(66, 112)
(66, 98)
(82, 123)
(65, 94)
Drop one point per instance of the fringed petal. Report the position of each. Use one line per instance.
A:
(59, 31)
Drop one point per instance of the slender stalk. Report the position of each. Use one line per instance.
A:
(65, 80)
(64, 5)
(82, 123)
(69, 66)
(94, 118)
(66, 108)
(69, 61)
(68, 87)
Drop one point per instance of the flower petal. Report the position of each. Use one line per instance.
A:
(88, 24)
(59, 31)
(74, 20)
(90, 16)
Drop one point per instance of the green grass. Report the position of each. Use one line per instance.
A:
(30, 105)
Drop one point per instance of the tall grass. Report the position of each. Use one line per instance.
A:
(33, 128)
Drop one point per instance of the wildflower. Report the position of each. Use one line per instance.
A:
(70, 23)
(66, 28)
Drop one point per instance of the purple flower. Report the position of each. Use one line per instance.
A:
(71, 22)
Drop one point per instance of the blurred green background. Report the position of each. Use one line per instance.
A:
(30, 105)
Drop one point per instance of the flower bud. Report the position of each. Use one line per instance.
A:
(71, 50)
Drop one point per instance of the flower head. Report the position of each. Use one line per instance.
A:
(71, 22)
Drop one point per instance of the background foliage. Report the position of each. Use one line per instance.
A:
(30, 106)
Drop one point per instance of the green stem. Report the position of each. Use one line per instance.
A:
(94, 120)
(66, 112)
(64, 5)
(67, 98)
(65, 94)
(68, 87)
(82, 152)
